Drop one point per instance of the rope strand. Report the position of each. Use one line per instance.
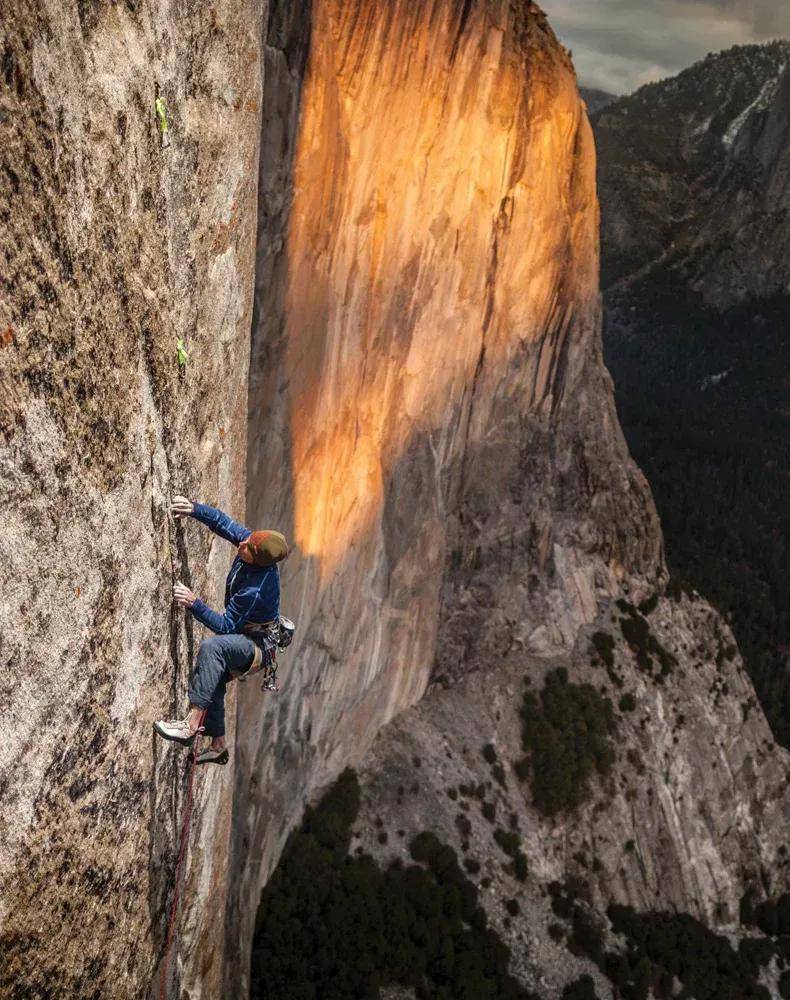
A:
(171, 922)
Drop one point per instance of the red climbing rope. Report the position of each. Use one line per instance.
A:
(182, 850)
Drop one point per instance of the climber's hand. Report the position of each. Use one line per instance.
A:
(183, 596)
(181, 507)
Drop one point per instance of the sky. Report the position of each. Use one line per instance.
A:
(618, 45)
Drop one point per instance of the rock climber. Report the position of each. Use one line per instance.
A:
(246, 633)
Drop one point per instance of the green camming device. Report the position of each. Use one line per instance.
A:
(161, 115)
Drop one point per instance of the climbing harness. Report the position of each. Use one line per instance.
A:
(182, 850)
(272, 635)
(280, 630)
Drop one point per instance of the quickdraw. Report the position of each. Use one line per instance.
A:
(265, 636)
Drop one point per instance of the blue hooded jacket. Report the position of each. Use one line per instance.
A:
(252, 593)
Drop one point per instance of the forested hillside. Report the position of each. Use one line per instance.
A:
(694, 182)
(704, 402)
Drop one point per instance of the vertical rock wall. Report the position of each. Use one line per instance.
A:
(111, 249)
(430, 419)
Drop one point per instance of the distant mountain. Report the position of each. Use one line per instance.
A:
(694, 173)
(596, 100)
(694, 183)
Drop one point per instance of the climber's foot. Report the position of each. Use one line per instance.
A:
(212, 756)
(176, 730)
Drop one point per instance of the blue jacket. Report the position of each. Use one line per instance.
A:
(252, 593)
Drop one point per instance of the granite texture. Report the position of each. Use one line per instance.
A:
(113, 249)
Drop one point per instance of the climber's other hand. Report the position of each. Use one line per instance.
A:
(181, 507)
(183, 595)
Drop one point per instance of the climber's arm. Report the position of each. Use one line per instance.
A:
(236, 614)
(214, 519)
(234, 618)
(220, 523)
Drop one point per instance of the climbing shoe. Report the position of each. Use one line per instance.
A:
(213, 756)
(176, 730)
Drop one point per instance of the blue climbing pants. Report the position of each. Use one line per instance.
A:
(218, 659)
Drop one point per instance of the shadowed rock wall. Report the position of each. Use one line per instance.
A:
(111, 249)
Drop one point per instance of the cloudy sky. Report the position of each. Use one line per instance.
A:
(618, 45)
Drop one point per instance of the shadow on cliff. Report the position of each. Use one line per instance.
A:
(460, 551)
(418, 502)
(285, 54)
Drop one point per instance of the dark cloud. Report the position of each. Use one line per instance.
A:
(618, 45)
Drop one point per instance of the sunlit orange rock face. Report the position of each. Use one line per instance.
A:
(429, 414)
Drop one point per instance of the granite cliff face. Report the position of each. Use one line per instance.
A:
(695, 177)
(689, 819)
(431, 419)
(427, 394)
(111, 250)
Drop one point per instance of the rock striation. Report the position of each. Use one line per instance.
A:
(430, 417)
(112, 250)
